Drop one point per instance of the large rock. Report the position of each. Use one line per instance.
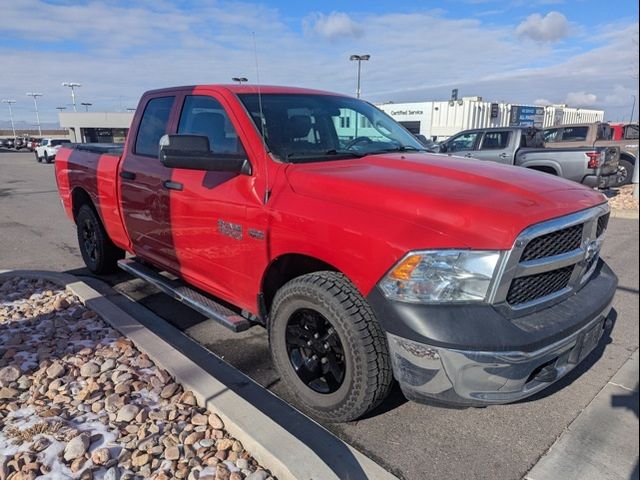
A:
(76, 447)
(127, 413)
(9, 374)
(89, 369)
(100, 456)
(7, 393)
(55, 370)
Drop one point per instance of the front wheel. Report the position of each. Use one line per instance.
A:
(328, 347)
(37, 157)
(99, 253)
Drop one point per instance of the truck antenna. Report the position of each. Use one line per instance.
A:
(267, 192)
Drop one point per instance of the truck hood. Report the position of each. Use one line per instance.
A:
(476, 204)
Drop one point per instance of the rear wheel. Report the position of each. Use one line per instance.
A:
(625, 172)
(99, 253)
(328, 347)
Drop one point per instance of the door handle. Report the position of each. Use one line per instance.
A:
(503, 155)
(468, 155)
(169, 185)
(127, 175)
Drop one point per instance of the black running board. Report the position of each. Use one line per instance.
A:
(179, 290)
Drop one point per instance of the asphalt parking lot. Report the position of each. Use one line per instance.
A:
(411, 440)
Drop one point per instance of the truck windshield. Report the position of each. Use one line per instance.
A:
(312, 127)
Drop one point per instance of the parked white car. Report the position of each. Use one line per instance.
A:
(48, 149)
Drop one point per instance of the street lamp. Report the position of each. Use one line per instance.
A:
(86, 105)
(60, 109)
(359, 59)
(72, 86)
(240, 80)
(9, 102)
(35, 103)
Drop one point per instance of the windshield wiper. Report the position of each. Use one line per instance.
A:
(404, 148)
(309, 156)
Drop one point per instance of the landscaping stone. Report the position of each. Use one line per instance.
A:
(79, 400)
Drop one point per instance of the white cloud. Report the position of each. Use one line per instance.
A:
(582, 99)
(541, 102)
(333, 26)
(121, 52)
(550, 28)
(620, 96)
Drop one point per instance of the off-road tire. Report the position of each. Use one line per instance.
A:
(368, 376)
(104, 258)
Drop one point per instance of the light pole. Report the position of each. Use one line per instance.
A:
(633, 107)
(240, 80)
(35, 103)
(60, 109)
(86, 106)
(9, 102)
(72, 86)
(359, 59)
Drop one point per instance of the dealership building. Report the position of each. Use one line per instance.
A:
(439, 120)
(96, 127)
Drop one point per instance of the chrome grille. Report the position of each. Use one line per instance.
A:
(550, 260)
(603, 222)
(553, 243)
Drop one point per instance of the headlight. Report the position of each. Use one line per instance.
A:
(440, 276)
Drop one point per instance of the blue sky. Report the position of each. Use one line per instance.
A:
(581, 52)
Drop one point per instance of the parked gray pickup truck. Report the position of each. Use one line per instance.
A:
(524, 147)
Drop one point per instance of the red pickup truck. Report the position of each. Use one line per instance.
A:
(318, 217)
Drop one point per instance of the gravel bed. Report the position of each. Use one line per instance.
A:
(78, 400)
(622, 198)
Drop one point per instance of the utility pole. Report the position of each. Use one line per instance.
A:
(72, 86)
(35, 104)
(86, 106)
(9, 102)
(359, 59)
(633, 107)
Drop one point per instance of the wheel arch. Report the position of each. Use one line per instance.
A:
(79, 197)
(628, 157)
(550, 169)
(285, 268)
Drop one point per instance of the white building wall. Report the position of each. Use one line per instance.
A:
(442, 119)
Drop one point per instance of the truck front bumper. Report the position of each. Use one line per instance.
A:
(485, 358)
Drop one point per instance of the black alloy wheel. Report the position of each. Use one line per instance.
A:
(315, 351)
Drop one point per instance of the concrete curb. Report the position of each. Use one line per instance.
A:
(628, 213)
(602, 441)
(320, 455)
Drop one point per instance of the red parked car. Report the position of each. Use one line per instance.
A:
(365, 257)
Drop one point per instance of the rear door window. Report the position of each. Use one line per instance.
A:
(153, 126)
(495, 141)
(631, 132)
(552, 135)
(575, 134)
(465, 141)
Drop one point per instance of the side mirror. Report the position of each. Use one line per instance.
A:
(442, 147)
(422, 139)
(192, 152)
